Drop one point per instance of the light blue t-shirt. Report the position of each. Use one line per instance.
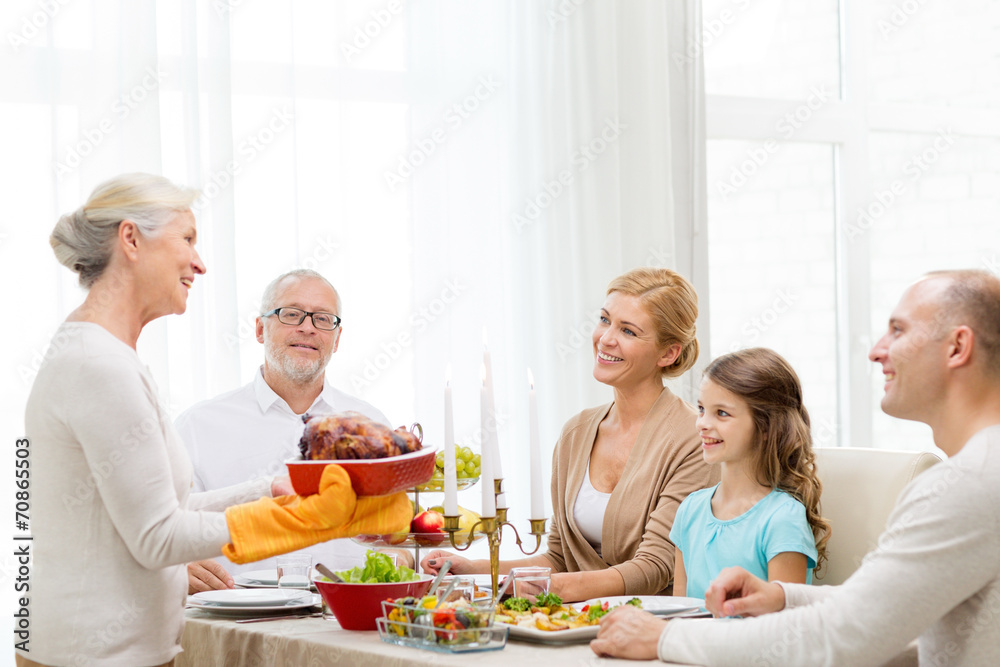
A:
(776, 524)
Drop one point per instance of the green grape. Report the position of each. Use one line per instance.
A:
(475, 459)
(466, 454)
(474, 472)
(439, 459)
(459, 465)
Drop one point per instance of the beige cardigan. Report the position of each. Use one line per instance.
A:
(664, 466)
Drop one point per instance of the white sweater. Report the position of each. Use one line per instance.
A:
(112, 516)
(935, 576)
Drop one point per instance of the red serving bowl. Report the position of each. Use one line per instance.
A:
(369, 477)
(357, 606)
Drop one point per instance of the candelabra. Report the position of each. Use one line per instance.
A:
(492, 527)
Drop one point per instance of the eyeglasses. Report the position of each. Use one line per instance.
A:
(296, 316)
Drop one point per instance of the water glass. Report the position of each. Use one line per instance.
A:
(530, 582)
(294, 571)
(465, 587)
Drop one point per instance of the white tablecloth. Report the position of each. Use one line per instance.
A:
(312, 642)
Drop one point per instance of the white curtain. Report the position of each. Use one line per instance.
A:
(450, 166)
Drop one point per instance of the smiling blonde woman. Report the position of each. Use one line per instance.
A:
(621, 470)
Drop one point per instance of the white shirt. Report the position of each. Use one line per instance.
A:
(589, 510)
(248, 434)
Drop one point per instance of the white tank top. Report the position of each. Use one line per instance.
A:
(589, 509)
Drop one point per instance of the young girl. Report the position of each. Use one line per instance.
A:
(764, 514)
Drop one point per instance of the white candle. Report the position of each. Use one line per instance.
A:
(486, 460)
(535, 453)
(450, 474)
(490, 433)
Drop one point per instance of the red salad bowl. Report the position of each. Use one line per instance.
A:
(357, 606)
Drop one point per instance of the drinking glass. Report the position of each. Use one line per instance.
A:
(530, 582)
(294, 570)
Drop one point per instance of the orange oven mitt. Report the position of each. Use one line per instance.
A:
(273, 526)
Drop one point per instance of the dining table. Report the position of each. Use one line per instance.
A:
(306, 642)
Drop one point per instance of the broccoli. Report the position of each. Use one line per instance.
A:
(635, 602)
(517, 604)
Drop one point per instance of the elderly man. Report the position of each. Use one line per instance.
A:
(249, 433)
(935, 575)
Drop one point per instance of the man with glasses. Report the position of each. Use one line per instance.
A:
(249, 433)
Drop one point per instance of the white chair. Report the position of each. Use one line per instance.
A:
(860, 488)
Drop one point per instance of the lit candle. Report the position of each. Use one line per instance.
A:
(535, 453)
(450, 474)
(486, 459)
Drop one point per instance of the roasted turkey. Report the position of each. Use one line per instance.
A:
(351, 435)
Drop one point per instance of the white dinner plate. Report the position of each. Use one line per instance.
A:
(251, 597)
(313, 600)
(659, 605)
(257, 578)
(662, 605)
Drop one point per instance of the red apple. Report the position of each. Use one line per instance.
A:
(428, 527)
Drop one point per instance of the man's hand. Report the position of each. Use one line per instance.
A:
(281, 486)
(207, 575)
(628, 632)
(736, 592)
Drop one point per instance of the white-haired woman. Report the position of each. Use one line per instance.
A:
(114, 521)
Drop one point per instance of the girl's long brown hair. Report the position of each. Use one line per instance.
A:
(783, 456)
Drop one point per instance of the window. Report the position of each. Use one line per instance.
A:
(851, 148)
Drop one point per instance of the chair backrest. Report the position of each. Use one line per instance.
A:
(860, 488)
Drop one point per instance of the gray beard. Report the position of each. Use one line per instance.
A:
(299, 372)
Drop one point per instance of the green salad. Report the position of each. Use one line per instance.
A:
(378, 569)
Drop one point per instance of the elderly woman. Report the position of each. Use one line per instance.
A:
(114, 521)
(621, 470)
